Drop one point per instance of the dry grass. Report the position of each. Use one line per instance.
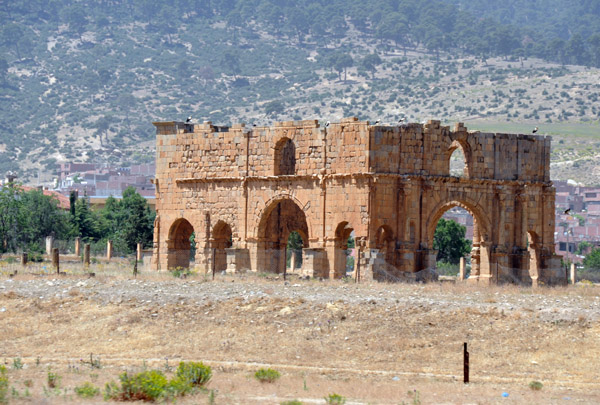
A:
(345, 347)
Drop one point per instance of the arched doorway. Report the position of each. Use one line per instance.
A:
(280, 219)
(384, 243)
(221, 239)
(179, 245)
(345, 253)
(457, 223)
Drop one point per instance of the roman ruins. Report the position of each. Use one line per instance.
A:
(242, 191)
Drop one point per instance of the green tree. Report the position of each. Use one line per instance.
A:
(11, 35)
(592, 260)
(85, 221)
(77, 19)
(370, 63)
(274, 107)
(295, 244)
(341, 62)
(449, 240)
(10, 203)
(231, 62)
(40, 216)
(136, 219)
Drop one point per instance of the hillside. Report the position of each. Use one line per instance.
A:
(84, 83)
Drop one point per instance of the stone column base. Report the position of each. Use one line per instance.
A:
(314, 262)
(238, 260)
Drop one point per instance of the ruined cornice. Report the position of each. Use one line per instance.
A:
(370, 176)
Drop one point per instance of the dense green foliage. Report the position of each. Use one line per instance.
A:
(153, 385)
(27, 217)
(87, 390)
(592, 260)
(449, 240)
(267, 375)
(108, 68)
(195, 373)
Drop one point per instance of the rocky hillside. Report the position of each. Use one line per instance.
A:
(85, 83)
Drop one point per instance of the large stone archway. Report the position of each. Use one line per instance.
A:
(389, 184)
(280, 218)
(179, 245)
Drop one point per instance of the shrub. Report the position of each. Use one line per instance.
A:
(195, 373)
(53, 379)
(536, 385)
(335, 399)
(145, 386)
(292, 402)
(17, 363)
(267, 375)
(87, 390)
(3, 385)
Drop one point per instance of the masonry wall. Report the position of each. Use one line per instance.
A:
(387, 184)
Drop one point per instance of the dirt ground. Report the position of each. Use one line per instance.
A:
(371, 343)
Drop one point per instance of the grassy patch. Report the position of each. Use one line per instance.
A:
(267, 375)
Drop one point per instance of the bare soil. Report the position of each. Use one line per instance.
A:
(372, 343)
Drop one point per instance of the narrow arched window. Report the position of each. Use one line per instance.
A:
(285, 158)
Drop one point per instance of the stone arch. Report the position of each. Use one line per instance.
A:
(478, 213)
(383, 237)
(340, 252)
(458, 146)
(480, 251)
(179, 248)
(261, 214)
(280, 218)
(285, 157)
(221, 239)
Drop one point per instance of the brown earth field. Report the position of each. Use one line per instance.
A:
(372, 343)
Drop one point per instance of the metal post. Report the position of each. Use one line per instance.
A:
(357, 265)
(86, 255)
(466, 363)
(214, 267)
(55, 260)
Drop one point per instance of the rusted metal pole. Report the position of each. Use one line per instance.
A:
(86, 255)
(214, 267)
(55, 260)
(466, 364)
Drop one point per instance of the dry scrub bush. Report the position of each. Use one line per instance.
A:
(267, 375)
(152, 385)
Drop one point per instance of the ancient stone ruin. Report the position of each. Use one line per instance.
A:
(242, 191)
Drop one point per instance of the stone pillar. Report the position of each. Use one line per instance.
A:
(138, 252)
(357, 275)
(109, 248)
(292, 261)
(86, 255)
(314, 262)
(24, 259)
(238, 260)
(49, 244)
(55, 260)
(78, 246)
(462, 270)
(573, 274)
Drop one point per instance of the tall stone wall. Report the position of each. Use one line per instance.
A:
(242, 191)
